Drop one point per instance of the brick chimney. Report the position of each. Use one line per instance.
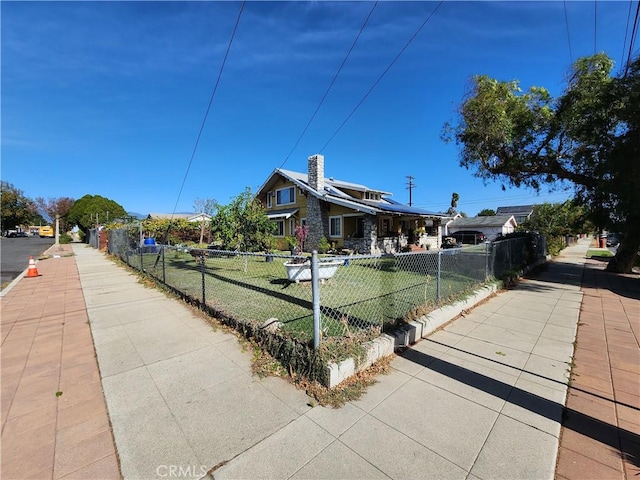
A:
(316, 172)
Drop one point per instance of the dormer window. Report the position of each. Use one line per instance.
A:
(371, 196)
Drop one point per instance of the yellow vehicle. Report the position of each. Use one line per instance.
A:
(46, 232)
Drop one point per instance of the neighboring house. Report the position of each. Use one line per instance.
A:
(348, 215)
(446, 221)
(521, 213)
(491, 226)
(192, 217)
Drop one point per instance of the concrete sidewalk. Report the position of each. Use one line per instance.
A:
(481, 398)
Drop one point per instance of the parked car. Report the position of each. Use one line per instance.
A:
(21, 234)
(472, 237)
(612, 240)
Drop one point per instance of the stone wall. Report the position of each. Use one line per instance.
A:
(317, 221)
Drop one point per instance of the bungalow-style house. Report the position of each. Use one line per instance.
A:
(349, 215)
(521, 213)
(491, 226)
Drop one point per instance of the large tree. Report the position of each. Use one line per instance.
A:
(91, 210)
(56, 206)
(16, 208)
(487, 212)
(588, 137)
(243, 224)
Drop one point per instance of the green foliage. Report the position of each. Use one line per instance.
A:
(16, 209)
(589, 137)
(291, 242)
(323, 245)
(180, 230)
(557, 219)
(243, 224)
(486, 212)
(65, 238)
(555, 245)
(90, 209)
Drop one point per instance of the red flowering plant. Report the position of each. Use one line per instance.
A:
(301, 233)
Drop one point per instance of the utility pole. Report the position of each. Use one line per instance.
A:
(410, 186)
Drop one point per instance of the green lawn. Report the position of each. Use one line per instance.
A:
(364, 294)
(599, 253)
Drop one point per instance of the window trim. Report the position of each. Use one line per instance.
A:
(293, 195)
(331, 233)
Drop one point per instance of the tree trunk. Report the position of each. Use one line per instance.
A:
(627, 252)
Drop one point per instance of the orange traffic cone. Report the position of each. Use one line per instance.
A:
(32, 271)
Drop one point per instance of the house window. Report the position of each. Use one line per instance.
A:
(385, 227)
(371, 196)
(335, 227)
(359, 233)
(292, 226)
(285, 196)
(303, 222)
(269, 195)
(279, 228)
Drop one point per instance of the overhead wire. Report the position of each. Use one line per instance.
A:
(626, 31)
(213, 94)
(566, 22)
(595, 26)
(486, 200)
(204, 121)
(313, 116)
(382, 75)
(632, 40)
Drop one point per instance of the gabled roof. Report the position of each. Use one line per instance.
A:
(333, 192)
(489, 221)
(515, 210)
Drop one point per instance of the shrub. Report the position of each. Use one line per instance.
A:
(323, 245)
(65, 238)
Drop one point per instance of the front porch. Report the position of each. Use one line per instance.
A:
(393, 244)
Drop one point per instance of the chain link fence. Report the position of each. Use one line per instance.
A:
(357, 296)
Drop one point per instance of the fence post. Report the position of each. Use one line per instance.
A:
(315, 292)
(141, 250)
(204, 299)
(486, 261)
(164, 275)
(438, 276)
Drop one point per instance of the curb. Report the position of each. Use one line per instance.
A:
(405, 336)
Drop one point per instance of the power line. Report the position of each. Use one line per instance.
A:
(331, 84)
(566, 22)
(595, 25)
(487, 200)
(381, 76)
(626, 31)
(213, 93)
(634, 32)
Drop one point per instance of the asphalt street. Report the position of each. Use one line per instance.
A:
(15, 253)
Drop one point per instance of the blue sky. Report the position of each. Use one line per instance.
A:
(107, 98)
